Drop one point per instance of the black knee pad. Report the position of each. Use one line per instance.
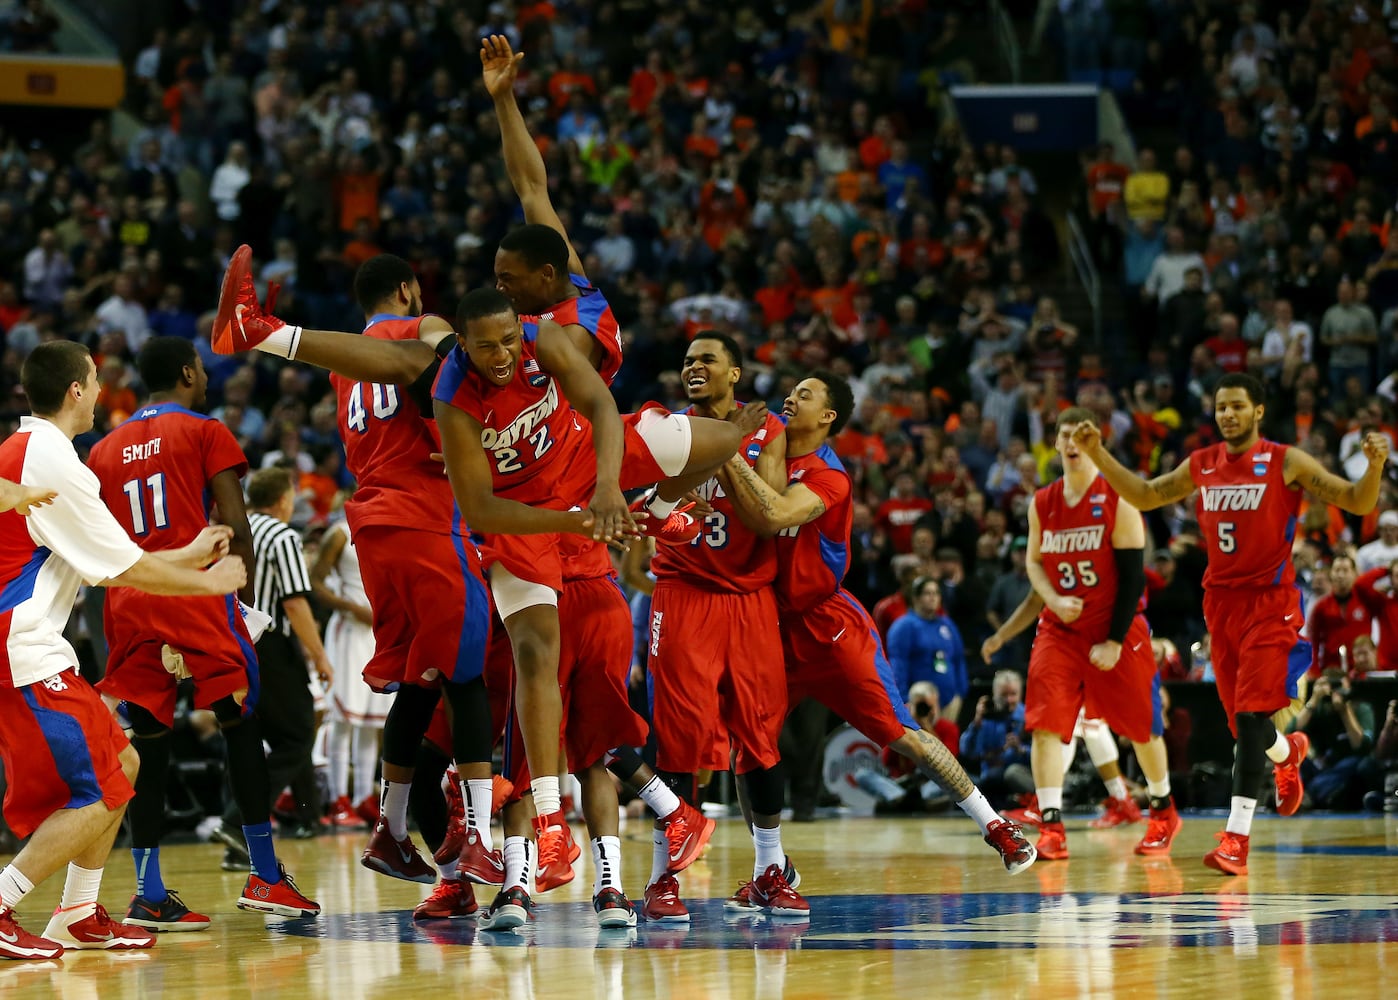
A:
(1256, 733)
(624, 762)
(227, 711)
(144, 726)
(766, 790)
(471, 730)
(407, 722)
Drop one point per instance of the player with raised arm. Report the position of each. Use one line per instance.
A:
(831, 645)
(160, 472)
(715, 648)
(530, 432)
(1086, 564)
(1249, 493)
(69, 766)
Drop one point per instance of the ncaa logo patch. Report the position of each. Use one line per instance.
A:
(1259, 469)
(1096, 511)
(534, 374)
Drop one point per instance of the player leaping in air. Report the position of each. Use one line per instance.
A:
(1249, 493)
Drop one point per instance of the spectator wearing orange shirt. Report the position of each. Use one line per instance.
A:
(723, 209)
(357, 193)
(568, 80)
(647, 82)
(877, 146)
(362, 247)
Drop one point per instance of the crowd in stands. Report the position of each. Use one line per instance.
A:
(791, 178)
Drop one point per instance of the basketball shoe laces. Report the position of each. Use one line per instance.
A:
(551, 841)
(1230, 845)
(1157, 829)
(1287, 778)
(676, 835)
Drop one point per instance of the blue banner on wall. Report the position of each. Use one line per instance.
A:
(1048, 117)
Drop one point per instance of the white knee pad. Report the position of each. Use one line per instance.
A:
(513, 595)
(1070, 753)
(668, 436)
(1101, 744)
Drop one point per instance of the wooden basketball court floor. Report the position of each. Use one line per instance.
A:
(911, 907)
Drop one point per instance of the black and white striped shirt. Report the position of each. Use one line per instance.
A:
(279, 568)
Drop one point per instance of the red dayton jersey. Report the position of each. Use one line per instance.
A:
(813, 558)
(155, 470)
(1075, 543)
(1247, 515)
(540, 450)
(589, 309)
(727, 555)
(389, 446)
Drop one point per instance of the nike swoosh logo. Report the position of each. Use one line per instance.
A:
(1135, 647)
(1207, 472)
(1288, 618)
(12, 938)
(489, 414)
(837, 635)
(238, 311)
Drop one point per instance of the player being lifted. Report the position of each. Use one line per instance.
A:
(1086, 565)
(1249, 494)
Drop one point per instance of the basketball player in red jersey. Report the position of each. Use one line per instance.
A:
(422, 573)
(1086, 563)
(831, 645)
(519, 456)
(159, 471)
(715, 650)
(1249, 493)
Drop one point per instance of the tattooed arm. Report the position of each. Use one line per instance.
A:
(1358, 497)
(1143, 494)
(935, 760)
(762, 508)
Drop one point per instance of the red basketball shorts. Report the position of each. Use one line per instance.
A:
(717, 675)
(833, 654)
(657, 448)
(60, 746)
(593, 665)
(431, 608)
(209, 633)
(1251, 634)
(1062, 679)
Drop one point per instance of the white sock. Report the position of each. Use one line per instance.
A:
(659, 857)
(364, 755)
(660, 509)
(448, 871)
(606, 861)
(1116, 787)
(13, 887)
(1240, 815)
(1159, 789)
(393, 804)
(769, 849)
(478, 796)
(1070, 754)
(81, 886)
(660, 797)
(1050, 798)
(547, 799)
(519, 857)
(976, 806)
(1279, 751)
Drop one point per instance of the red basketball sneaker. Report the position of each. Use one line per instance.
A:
(1287, 775)
(557, 852)
(368, 810)
(343, 816)
(240, 324)
(679, 527)
(477, 864)
(281, 897)
(1231, 854)
(501, 788)
(662, 903)
(1053, 842)
(88, 925)
(396, 858)
(18, 943)
(452, 843)
(1116, 812)
(1028, 812)
(1007, 838)
(772, 894)
(741, 901)
(1160, 831)
(448, 900)
(687, 830)
(170, 914)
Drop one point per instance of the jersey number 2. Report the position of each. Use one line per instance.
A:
(507, 459)
(384, 402)
(135, 490)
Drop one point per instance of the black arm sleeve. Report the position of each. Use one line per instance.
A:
(420, 392)
(1130, 584)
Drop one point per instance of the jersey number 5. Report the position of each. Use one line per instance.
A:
(1069, 575)
(384, 403)
(135, 490)
(1227, 541)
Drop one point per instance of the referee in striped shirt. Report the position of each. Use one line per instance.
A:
(286, 707)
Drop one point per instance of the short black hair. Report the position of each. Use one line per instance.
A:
(378, 278)
(735, 353)
(479, 304)
(1251, 384)
(48, 372)
(162, 362)
(538, 245)
(840, 397)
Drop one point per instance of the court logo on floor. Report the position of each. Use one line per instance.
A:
(934, 922)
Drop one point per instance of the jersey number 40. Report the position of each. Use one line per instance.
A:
(384, 404)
